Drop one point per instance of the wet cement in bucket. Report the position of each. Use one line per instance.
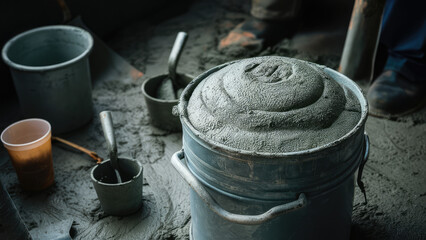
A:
(166, 91)
(272, 104)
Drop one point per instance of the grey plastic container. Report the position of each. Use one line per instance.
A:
(239, 194)
(50, 70)
(119, 199)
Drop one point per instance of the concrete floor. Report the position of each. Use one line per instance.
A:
(395, 175)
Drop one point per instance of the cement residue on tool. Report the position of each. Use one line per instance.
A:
(166, 91)
(272, 104)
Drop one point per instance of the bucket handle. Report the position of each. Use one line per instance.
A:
(365, 155)
(177, 161)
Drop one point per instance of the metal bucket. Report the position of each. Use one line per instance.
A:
(238, 194)
(50, 70)
(161, 111)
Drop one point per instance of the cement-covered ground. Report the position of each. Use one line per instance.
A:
(395, 175)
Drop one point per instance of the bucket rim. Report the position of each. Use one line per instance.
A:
(154, 99)
(15, 145)
(116, 184)
(350, 84)
(22, 67)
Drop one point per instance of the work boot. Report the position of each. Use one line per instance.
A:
(253, 35)
(393, 95)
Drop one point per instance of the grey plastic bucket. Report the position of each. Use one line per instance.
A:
(119, 199)
(50, 70)
(238, 194)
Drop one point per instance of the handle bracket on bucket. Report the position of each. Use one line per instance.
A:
(276, 211)
(365, 155)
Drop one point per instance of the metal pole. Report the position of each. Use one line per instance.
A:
(362, 39)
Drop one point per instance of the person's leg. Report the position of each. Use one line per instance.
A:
(401, 87)
(275, 10)
(271, 21)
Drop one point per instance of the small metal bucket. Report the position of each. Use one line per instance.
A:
(239, 194)
(50, 70)
(119, 199)
(161, 111)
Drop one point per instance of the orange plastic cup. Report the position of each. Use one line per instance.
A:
(30, 149)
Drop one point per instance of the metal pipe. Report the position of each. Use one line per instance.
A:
(361, 40)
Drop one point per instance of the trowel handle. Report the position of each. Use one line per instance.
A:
(175, 54)
(107, 127)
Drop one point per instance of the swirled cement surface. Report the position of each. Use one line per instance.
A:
(272, 104)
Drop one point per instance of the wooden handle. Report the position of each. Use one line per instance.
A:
(73, 145)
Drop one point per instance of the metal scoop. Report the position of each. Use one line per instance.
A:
(107, 127)
(175, 55)
(170, 85)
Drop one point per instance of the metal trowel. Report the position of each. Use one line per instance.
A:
(169, 88)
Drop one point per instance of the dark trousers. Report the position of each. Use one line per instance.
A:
(404, 35)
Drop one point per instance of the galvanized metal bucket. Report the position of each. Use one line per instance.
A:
(50, 70)
(238, 194)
